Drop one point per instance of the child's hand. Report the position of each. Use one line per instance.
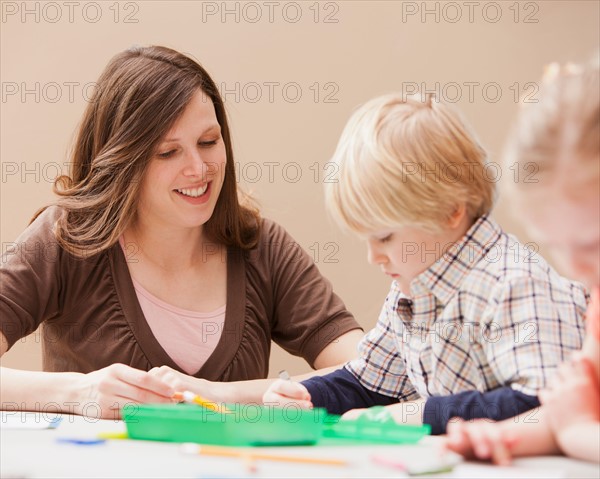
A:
(283, 392)
(572, 396)
(480, 439)
(353, 413)
(111, 388)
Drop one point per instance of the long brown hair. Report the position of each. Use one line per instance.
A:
(138, 97)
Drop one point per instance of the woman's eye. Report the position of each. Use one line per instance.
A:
(166, 154)
(385, 239)
(206, 144)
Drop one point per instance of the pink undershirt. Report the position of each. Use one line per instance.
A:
(188, 337)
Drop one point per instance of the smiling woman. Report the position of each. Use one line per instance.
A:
(150, 274)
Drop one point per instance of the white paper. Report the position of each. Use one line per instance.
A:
(29, 420)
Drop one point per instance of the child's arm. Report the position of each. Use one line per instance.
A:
(581, 441)
(572, 406)
(338, 392)
(378, 377)
(525, 435)
(572, 400)
(591, 344)
(518, 347)
(498, 404)
(283, 392)
(569, 421)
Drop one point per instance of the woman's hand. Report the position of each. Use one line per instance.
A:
(182, 382)
(283, 392)
(480, 439)
(218, 392)
(103, 393)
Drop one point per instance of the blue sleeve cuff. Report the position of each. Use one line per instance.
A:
(341, 391)
(499, 404)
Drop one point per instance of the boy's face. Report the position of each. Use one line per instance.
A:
(406, 252)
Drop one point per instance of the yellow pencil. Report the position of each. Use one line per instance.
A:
(191, 448)
(190, 397)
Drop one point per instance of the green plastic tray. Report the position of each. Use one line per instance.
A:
(375, 426)
(246, 425)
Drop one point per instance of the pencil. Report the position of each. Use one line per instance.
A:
(190, 397)
(192, 448)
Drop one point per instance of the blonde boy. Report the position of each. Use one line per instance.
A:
(474, 323)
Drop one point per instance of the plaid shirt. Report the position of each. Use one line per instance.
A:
(489, 313)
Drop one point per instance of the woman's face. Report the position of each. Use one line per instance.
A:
(569, 225)
(185, 175)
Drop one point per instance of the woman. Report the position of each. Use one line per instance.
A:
(148, 260)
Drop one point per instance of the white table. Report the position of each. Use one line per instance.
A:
(38, 453)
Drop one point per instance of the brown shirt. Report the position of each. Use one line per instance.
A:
(91, 316)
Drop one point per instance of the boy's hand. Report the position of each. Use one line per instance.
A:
(480, 439)
(283, 392)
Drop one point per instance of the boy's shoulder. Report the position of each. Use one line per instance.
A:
(506, 263)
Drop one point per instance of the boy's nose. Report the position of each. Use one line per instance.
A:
(374, 255)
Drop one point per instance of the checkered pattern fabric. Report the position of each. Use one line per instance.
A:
(489, 313)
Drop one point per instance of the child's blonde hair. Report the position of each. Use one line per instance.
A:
(407, 161)
(559, 134)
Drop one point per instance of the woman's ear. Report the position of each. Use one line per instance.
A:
(458, 216)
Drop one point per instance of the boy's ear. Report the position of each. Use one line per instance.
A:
(457, 217)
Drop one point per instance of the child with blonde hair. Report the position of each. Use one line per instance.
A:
(558, 138)
(474, 323)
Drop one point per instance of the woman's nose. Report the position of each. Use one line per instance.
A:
(194, 165)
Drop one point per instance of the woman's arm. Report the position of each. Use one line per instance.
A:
(33, 279)
(339, 351)
(334, 355)
(100, 394)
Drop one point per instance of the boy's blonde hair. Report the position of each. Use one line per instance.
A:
(560, 133)
(407, 161)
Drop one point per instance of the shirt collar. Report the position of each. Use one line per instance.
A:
(445, 276)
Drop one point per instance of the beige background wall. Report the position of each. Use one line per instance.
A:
(291, 73)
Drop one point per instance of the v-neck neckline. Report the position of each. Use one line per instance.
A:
(231, 336)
